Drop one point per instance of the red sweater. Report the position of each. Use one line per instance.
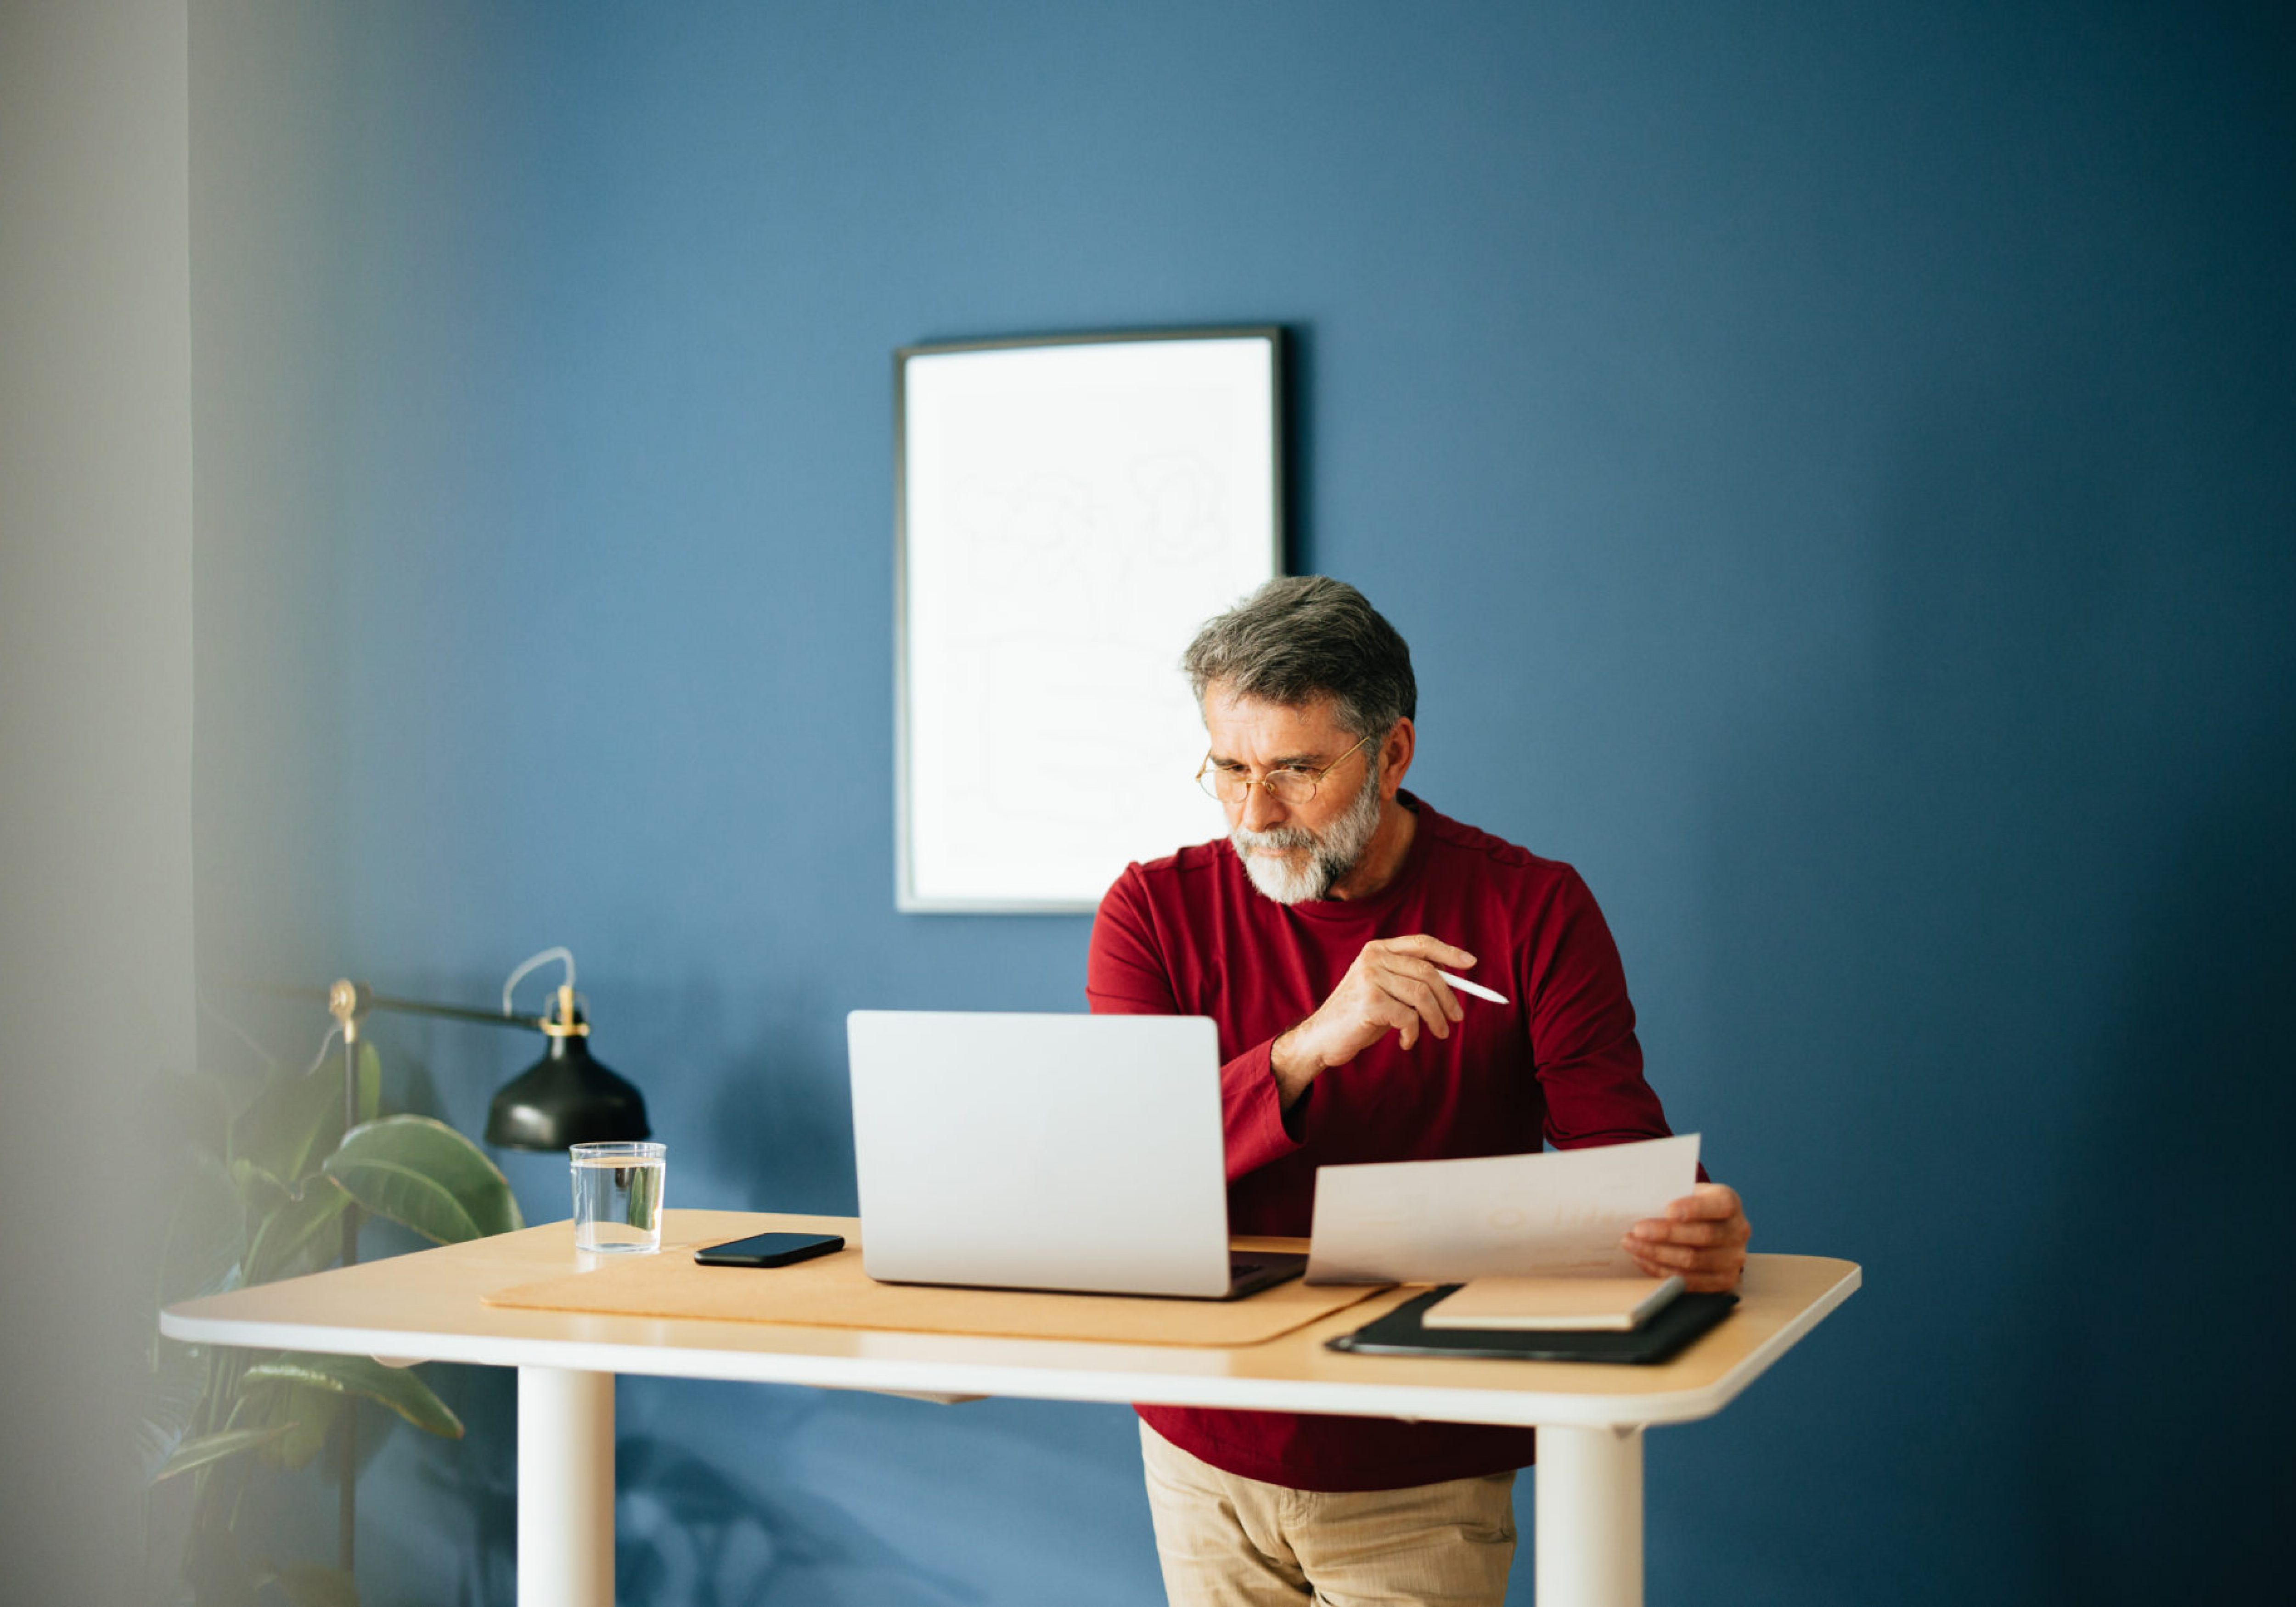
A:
(1189, 935)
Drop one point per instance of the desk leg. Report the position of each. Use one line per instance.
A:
(565, 1488)
(1588, 1502)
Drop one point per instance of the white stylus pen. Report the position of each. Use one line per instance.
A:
(1477, 988)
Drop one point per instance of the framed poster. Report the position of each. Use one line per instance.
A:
(1068, 511)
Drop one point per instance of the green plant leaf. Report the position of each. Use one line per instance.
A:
(171, 1401)
(424, 1175)
(207, 1234)
(306, 1414)
(309, 1584)
(397, 1387)
(214, 1448)
(259, 1190)
(294, 1121)
(294, 1238)
(370, 1081)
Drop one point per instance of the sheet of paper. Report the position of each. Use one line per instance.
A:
(1557, 1215)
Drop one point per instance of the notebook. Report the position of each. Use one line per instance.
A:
(1553, 1304)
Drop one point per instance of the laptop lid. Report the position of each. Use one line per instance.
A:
(1040, 1152)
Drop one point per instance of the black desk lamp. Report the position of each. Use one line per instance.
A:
(567, 1097)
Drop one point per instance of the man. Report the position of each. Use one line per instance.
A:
(1312, 934)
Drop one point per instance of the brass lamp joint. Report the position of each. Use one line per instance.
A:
(564, 1025)
(343, 1005)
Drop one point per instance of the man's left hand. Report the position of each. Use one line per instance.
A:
(1701, 1239)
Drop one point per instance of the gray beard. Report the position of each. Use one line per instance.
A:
(1331, 857)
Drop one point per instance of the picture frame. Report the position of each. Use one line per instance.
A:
(1068, 510)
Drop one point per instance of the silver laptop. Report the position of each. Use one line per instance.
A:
(1077, 1152)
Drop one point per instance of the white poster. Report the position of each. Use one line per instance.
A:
(1071, 512)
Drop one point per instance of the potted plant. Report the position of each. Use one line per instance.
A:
(264, 1189)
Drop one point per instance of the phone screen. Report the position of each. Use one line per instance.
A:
(770, 1250)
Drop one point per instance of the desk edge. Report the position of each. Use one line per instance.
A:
(1116, 1384)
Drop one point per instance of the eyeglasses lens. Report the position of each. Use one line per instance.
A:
(1290, 788)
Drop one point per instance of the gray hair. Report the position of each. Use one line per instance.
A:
(1303, 637)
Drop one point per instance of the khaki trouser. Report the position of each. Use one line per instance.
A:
(1226, 1541)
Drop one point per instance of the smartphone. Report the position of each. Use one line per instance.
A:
(770, 1250)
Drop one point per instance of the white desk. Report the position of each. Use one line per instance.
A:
(429, 1307)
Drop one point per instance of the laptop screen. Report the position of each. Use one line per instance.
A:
(1040, 1152)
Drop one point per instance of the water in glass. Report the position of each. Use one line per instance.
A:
(618, 1195)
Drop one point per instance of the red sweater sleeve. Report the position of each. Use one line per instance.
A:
(1129, 974)
(1588, 1061)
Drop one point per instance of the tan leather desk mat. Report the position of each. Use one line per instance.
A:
(832, 1291)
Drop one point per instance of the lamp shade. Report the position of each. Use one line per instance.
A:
(567, 1097)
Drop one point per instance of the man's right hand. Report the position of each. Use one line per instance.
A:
(1392, 987)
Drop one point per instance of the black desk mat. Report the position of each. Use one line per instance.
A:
(1400, 1332)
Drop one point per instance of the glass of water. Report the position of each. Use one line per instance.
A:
(618, 1196)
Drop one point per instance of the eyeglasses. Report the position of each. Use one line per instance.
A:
(1287, 785)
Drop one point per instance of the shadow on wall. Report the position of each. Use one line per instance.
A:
(2163, 1424)
(687, 1533)
(1998, 927)
(693, 1534)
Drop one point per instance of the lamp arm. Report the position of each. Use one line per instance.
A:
(348, 1001)
(567, 1091)
(453, 1012)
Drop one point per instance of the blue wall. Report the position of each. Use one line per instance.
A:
(1834, 465)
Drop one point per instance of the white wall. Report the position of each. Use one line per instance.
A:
(95, 749)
